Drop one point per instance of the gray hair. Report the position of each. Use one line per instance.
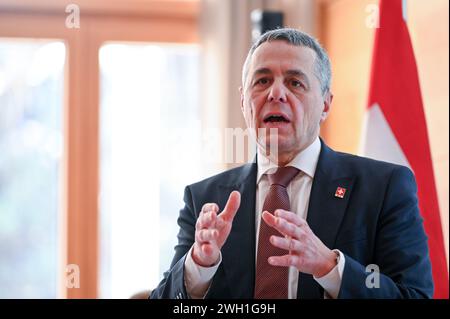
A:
(322, 67)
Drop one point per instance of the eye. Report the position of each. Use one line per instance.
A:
(296, 84)
(262, 81)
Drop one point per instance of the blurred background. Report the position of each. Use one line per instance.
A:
(108, 109)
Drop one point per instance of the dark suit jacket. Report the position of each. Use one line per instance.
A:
(377, 222)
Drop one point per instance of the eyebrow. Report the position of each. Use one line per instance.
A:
(299, 73)
(262, 71)
(293, 72)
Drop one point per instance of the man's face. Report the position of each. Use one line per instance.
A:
(282, 91)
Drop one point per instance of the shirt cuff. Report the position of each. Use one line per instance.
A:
(331, 282)
(198, 278)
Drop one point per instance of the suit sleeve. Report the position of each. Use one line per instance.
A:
(401, 250)
(172, 285)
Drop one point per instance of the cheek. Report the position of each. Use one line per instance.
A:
(307, 105)
(298, 109)
(306, 112)
(256, 104)
(248, 112)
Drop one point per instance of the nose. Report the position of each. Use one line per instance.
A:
(277, 92)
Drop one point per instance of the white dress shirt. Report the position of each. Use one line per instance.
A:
(198, 278)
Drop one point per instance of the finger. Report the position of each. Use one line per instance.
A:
(282, 225)
(199, 235)
(210, 207)
(289, 243)
(206, 235)
(284, 261)
(269, 219)
(207, 215)
(232, 206)
(206, 220)
(290, 217)
(220, 223)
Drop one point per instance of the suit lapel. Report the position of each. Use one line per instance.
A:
(325, 210)
(239, 250)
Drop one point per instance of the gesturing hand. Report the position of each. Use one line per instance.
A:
(212, 230)
(305, 250)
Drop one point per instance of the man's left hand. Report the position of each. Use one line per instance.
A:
(306, 251)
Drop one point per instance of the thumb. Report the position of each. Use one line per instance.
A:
(232, 206)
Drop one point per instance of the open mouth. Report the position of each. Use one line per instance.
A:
(276, 119)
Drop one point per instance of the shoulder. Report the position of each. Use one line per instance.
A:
(356, 162)
(368, 167)
(368, 173)
(216, 189)
(395, 181)
(228, 178)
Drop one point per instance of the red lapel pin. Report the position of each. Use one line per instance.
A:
(340, 192)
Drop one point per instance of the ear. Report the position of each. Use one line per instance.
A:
(328, 98)
(241, 91)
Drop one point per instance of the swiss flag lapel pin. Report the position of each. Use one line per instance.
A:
(340, 192)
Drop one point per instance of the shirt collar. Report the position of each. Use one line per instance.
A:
(306, 161)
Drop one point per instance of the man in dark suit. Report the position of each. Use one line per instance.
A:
(302, 221)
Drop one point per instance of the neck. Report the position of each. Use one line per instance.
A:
(282, 158)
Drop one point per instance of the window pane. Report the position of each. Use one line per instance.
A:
(31, 104)
(150, 149)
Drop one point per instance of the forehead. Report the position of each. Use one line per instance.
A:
(282, 55)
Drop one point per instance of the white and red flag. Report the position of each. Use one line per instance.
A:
(395, 128)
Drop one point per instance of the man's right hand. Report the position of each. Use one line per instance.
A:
(212, 230)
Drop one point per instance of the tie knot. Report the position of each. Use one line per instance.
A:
(283, 175)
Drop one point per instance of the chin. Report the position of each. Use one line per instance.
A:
(284, 144)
